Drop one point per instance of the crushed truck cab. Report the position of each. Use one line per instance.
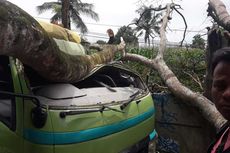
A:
(109, 111)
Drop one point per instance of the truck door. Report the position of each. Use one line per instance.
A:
(10, 139)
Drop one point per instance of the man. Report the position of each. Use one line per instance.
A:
(111, 36)
(221, 97)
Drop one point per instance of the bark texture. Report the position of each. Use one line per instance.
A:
(65, 13)
(22, 37)
(218, 12)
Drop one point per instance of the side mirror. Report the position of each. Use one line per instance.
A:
(39, 117)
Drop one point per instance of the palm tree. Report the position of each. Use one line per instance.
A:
(65, 13)
(71, 10)
(148, 23)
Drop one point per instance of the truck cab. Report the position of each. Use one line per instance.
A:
(109, 111)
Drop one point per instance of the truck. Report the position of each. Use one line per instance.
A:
(108, 111)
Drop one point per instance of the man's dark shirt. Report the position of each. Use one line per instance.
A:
(111, 40)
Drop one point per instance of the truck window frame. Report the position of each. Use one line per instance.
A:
(9, 121)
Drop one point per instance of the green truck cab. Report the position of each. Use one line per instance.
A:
(109, 111)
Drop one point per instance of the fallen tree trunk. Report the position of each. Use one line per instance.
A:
(22, 37)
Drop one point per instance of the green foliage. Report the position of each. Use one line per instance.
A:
(128, 35)
(198, 42)
(188, 66)
(101, 42)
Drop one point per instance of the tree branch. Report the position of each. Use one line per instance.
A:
(162, 33)
(202, 103)
(197, 80)
(152, 9)
(186, 26)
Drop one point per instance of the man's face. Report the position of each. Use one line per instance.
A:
(221, 88)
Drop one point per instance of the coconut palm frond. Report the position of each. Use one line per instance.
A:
(86, 9)
(56, 17)
(77, 20)
(47, 6)
(140, 34)
(56, 9)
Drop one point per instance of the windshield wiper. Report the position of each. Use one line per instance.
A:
(132, 97)
(103, 107)
(64, 114)
(64, 98)
(107, 86)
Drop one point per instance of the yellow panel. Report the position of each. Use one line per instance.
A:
(59, 32)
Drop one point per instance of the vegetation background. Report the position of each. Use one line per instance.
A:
(188, 64)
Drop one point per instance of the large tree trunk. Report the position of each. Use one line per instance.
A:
(65, 13)
(218, 12)
(214, 43)
(22, 37)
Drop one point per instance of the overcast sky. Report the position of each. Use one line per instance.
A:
(117, 13)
